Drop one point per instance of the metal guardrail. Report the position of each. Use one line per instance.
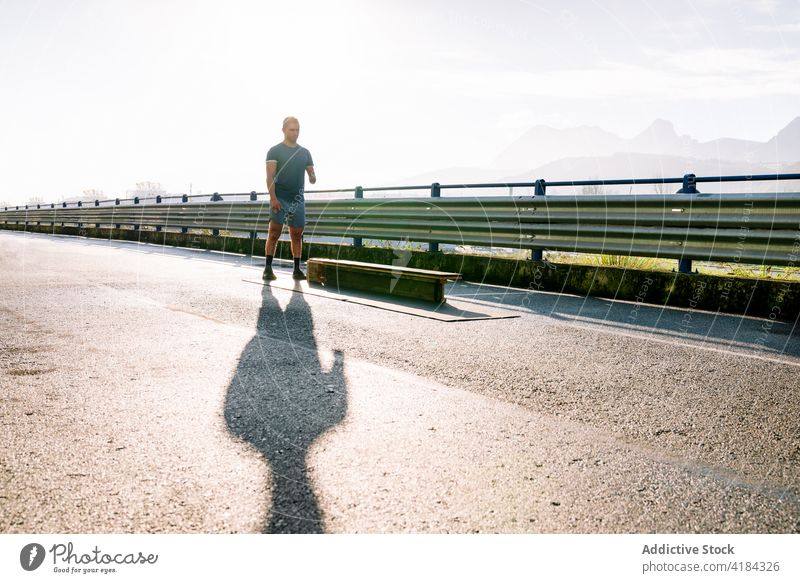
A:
(760, 228)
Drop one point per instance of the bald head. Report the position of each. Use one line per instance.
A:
(291, 129)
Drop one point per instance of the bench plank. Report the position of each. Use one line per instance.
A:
(360, 265)
(408, 282)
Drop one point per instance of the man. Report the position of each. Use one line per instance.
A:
(287, 164)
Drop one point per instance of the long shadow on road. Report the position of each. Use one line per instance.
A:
(280, 401)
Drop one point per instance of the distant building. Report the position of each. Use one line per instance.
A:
(146, 190)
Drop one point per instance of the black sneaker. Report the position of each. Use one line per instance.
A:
(268, 274)
(298, 274)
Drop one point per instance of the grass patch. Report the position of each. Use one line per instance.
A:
(643, 263)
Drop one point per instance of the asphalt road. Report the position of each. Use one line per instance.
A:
(150, 389)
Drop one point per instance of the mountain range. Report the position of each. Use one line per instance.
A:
(588, 152)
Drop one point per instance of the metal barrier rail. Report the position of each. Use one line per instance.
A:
(760, 228)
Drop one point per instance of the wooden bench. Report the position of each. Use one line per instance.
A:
(408, 282)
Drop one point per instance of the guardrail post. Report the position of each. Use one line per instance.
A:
(359, 193)
(689, 184)
(539, 189)
(253, 195)
(436, 192)
(689, 187)
(117, 225)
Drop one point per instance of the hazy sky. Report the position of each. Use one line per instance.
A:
(103, 94)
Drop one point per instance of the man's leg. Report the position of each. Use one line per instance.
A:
(274, 233)
(296, 234)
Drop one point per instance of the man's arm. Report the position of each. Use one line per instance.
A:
(272, 167)
(312, 178)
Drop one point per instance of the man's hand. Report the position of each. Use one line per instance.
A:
(312, 178)
(274, 203)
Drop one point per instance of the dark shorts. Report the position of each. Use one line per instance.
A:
(293, 211)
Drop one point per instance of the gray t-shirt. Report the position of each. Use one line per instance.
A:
(290, 177)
